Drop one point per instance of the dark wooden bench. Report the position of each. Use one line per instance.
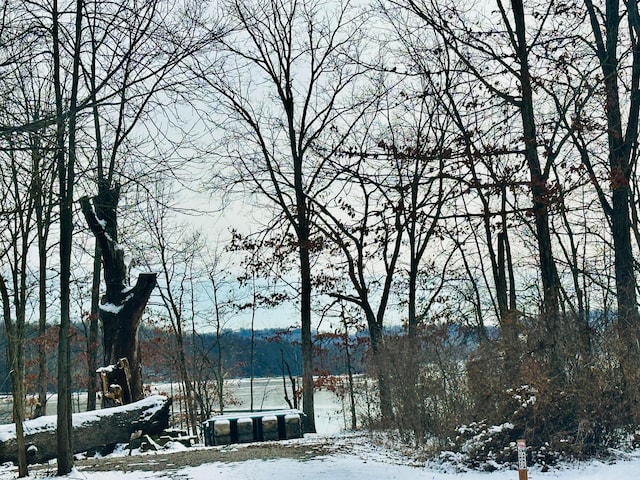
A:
(241, 426)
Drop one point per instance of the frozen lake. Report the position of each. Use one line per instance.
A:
(268, 394)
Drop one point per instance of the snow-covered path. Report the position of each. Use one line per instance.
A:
(344, 466)
(353, 468)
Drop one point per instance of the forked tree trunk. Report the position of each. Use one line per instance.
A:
(122, 306)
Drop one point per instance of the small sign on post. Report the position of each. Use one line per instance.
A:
(522, 459)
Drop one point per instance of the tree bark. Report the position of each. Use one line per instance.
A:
(92, 341)
(122, 306)
(307, 343)
(541, 200)
(66, 179)
(92, 430)
(622, 160)
(377, 348)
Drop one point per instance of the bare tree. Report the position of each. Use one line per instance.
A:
(66, 164)
(173, 250)
(375, 236)
(484, 55)
(615, 32)
(283, 79)
(28, 177)
(15, 245)
(217, 285)
(135, 53)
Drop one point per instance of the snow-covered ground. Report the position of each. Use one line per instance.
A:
(357, 468)
(358, 465)
(355, 457)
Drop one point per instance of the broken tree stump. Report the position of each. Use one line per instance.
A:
(116, 384)
(91, 430)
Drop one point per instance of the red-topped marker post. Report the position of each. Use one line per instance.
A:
(522, 459)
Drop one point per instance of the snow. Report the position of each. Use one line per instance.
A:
(501, 428)
(352, 467)
(356, 468)
(107, 369)
(362, 460)
(111, 308)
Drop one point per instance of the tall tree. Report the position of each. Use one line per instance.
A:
(26, 202)
(485, 55)
(615, 40)
(283, 79)
(134, 57)
(66, 159)
(16, 240)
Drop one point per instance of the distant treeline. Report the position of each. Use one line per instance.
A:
(274, 350)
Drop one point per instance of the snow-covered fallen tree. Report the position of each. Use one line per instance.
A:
(91, 430)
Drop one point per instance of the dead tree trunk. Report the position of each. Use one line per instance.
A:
(91, 430)
(116, 384)
(122, 305)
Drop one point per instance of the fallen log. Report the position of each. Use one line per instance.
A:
(91, 430)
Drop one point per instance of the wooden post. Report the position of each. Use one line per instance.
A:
(522, 459)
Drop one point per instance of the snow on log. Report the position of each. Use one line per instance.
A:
(91, 430)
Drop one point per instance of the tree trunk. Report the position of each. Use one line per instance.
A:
(379, 359)
(622, 160)
(92, 341)
(122, 306)
(42, 304)
(308, 386)
(347, 354)
(14, 350)
(303, 232)
(414, 264)
(189, 389)
(628, 317)
(540, 197)
(91, 431)
(66, 178)
(121, 323)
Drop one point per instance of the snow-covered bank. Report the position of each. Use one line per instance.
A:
(351, 468)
